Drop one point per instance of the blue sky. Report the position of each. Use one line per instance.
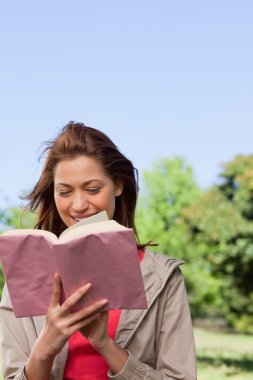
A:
(161, 78)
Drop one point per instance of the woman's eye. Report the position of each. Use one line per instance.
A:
(64, 193)
(93, 190)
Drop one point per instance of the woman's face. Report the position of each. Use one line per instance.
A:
(82, 189)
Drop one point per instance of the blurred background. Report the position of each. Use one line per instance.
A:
(171, 82)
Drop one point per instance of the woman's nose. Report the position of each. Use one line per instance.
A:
(80, 202)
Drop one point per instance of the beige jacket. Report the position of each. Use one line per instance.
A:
(159, 340)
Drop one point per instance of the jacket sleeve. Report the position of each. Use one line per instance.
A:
(176, 358)
(14, 342)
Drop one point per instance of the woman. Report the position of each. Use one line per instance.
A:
(85, 173)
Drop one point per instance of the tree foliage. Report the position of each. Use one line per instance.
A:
(169, 188)
(16, 217)
(212, 231)
(221, 222)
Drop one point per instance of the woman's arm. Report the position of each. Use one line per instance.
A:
(115, 356)
(175, 351)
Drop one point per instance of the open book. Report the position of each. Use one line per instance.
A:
(94, 250)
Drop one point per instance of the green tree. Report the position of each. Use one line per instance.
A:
(16, 217)
(221, 225)
(170, 188)
(167, 189)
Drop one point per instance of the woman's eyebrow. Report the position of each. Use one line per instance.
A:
(62, 184)
(83, 184)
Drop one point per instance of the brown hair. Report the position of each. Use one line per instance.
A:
(77, 139)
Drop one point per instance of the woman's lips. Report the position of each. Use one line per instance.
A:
(78, 218)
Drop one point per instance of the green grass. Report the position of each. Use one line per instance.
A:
(223, 356)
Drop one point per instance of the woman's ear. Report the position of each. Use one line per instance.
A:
(118, 189)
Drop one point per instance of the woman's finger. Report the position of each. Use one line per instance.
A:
(79, 325)
(74, 298)
(56, 292)
(87, 312)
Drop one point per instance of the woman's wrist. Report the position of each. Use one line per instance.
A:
(39, 364)
(115, 356)
(43, 351)
(103, 346)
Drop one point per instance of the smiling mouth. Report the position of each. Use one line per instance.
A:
(79, 218)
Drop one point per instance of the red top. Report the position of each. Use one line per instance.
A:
(84, 362)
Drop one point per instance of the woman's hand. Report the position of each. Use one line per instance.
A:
(96, 331)
(61, 323)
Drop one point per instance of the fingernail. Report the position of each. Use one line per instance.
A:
(103, 302)
(87, 286)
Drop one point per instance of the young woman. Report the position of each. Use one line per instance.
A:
(84, 174)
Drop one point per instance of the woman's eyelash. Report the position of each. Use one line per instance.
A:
(93, 190)
(63, 193)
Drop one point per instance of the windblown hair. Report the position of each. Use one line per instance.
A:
(76, 139)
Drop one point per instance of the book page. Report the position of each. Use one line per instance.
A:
(88, 229)
(25, 232)
(100, 217)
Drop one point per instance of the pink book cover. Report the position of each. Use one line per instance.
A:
(109, 260)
